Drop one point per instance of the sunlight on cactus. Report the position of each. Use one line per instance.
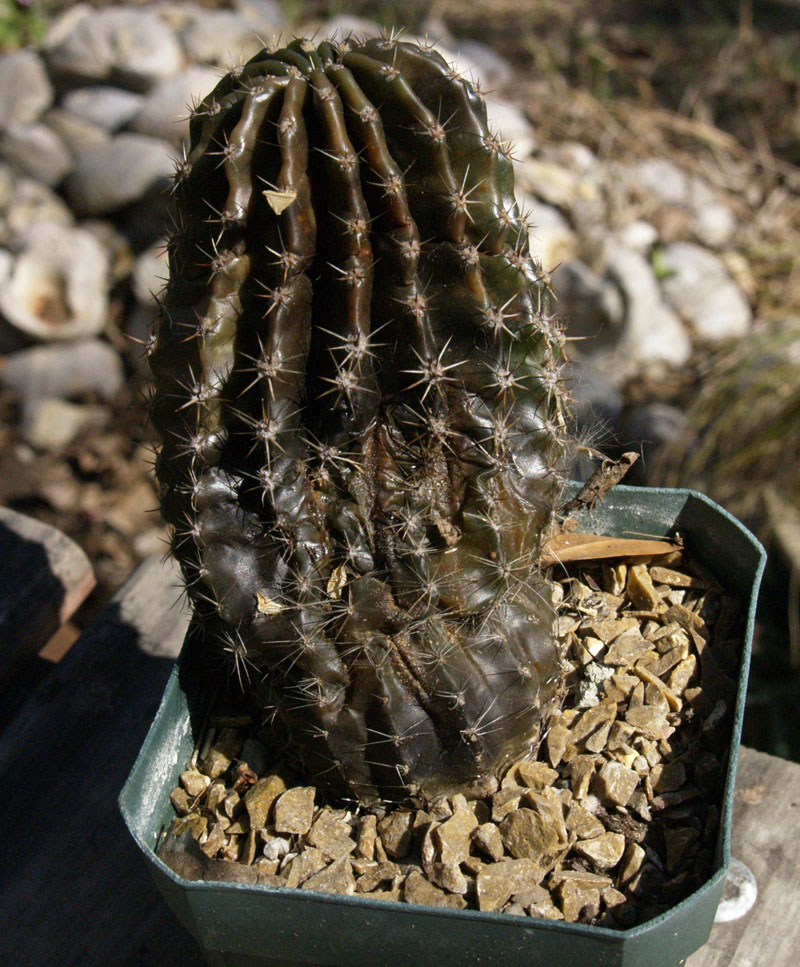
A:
(358, 394)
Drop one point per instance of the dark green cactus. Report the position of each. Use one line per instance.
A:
(357, 390)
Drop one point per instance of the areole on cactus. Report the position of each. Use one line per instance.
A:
(357, 393)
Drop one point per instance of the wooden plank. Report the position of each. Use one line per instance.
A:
(44, 577)
(74, 890)
(765, 838)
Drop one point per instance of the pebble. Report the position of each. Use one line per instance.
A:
(367, 834)
(294, 810)
(150, 273)
(615, 783)
(303, 866)
(75, 132)
(488, 839)
(714, 225)
(454, 836)
(331, 832)
(527, 835)
(336, 878)
(25, 204)
(224, 37)
(639, 236)
(112, 174)
(36, 150)
(551, 239)
(126, 45)
(603, 851)
(52, 424)
(495, 883)
(165, 111)
(396, 832)
(512, 127)
(489, 68)
(110, 108)
(652, 332)
(417, 889)
(58, 286)
(25, 88)
(64, 371)
(699, 287)
(592, 306)
(260, 799)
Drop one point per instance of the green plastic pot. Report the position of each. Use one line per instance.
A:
(243, 924)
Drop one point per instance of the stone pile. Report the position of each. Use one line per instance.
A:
(613, 823)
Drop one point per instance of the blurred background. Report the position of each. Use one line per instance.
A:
(657, 149)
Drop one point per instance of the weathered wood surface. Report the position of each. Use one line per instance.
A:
(44, 578)
(73, 888)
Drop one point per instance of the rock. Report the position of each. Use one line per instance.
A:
(24, 204)
(496, 883)
(303, 866)
(121, 44)
(275, 847)
(627, 648)
(25, 89)
(165, 112)
(639, 236)
(551, 239)
(109, 108)
(64, 371)
(527, 835)
(488, 839)
(583, 823)
(194, 782)
(649, 427)
(533, 775)
(489, 68)
(512, 127)
(663, 181)
(592, 306)
(379, 873)
(260, 798)
(714, 224)
(294, 810)
(36, 150)
(52, 424)
(367, 834)
(150, 273)
(261, 14)
(75, 132)
(701, 290)
(344, 25)
(615, 783)
(454, 835)
(417, 889)
(603, 851)
(449, 877)
(57, 288)
(337, 878)
(110, 175)
(331, 833)
(396, 832)
(578, 901)
(224, 37)
(229, 871)
(652, 332)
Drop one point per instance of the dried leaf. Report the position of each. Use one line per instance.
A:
(337, 581)
(590, 547)
(279, 201)
(266, 605)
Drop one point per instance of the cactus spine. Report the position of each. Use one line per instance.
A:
(357, 393)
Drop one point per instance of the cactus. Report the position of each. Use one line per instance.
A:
(358, 396)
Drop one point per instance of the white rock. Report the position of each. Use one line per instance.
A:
(36, 150)
(58, 287)
(24, 203)
(128, 45)
(25, 89)
(701, 290)
(110, 175)
(51, 424)
(551, 239)
(150, 273)
(652, 333)
(64, 371)
(639, 236)
(591, 305)
(511, 125)
(344, 25)
(165, 112)
(660, 180)
(109, 108)
(222, 37)
(491, 69)
(75, 132)
(713, 225)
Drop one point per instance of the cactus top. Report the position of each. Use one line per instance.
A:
(357, 392)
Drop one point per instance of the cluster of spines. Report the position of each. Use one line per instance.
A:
(358, 394)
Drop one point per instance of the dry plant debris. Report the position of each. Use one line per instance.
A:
(613, 823)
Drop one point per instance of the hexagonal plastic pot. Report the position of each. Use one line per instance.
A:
(243, 924)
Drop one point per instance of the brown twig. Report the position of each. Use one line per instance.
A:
(598, 485)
